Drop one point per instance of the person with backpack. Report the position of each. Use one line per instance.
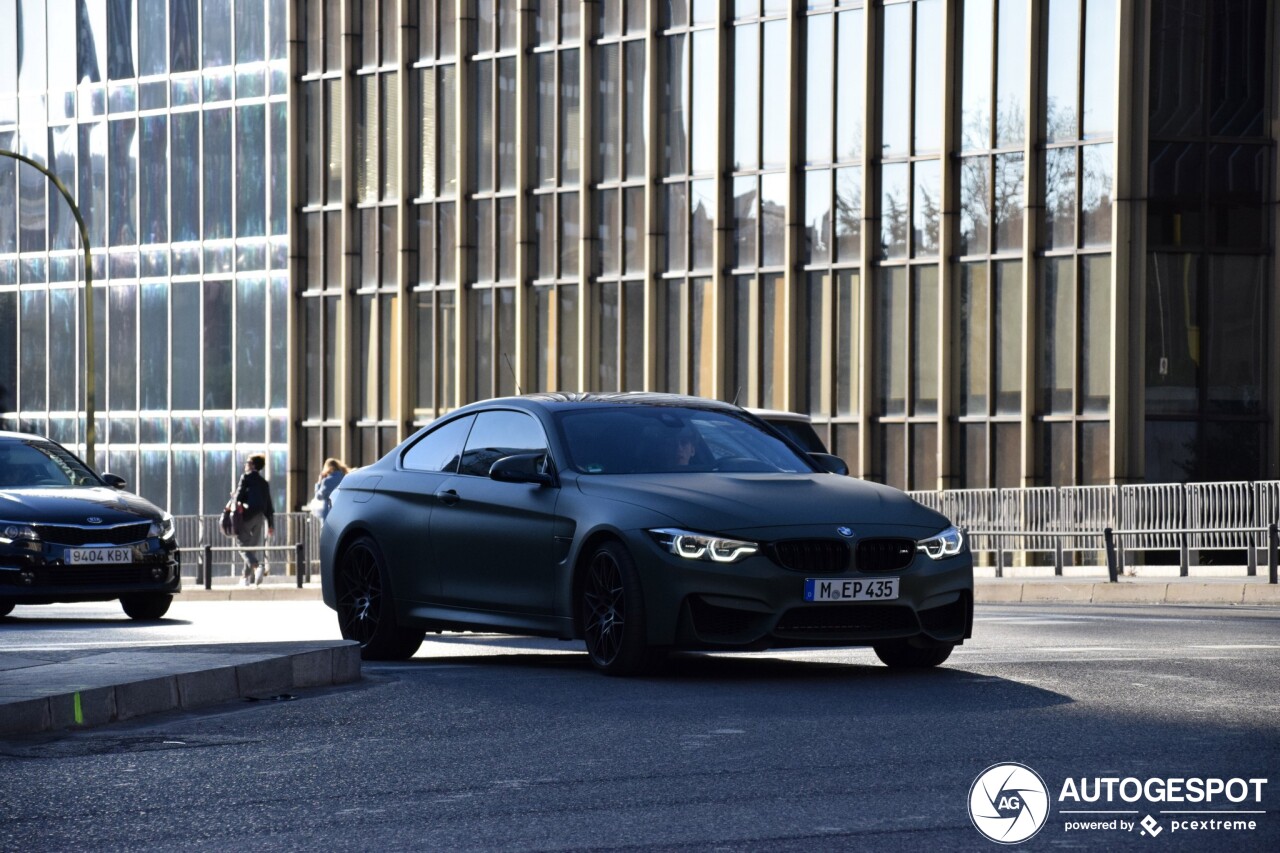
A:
(254, 494)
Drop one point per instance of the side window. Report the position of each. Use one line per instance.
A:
(440, 449)
(498, 434)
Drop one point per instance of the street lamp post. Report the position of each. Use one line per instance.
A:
(90, 432)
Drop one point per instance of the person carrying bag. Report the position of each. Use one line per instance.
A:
(252, 501)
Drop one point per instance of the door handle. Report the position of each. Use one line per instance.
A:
(448, 497)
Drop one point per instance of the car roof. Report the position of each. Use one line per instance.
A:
(561, 401)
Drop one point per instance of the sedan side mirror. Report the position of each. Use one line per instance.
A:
(521, 468)
(830, 463)
(115, 481)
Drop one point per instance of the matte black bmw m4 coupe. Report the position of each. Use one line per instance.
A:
(638, 523)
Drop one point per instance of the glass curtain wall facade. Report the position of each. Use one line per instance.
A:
(168, 122)
(987, 243)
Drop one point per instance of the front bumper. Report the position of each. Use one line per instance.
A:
(756, 603)
(45, 576)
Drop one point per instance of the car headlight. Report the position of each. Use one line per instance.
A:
(948, 543)
(162, 528)
(702, 546)
(10, 533)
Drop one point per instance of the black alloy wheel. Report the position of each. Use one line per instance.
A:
(366, 609)
(146, 606)
(613, 613)
(902, 654)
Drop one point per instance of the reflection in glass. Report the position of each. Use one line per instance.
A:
(1011, 74)
(1007, 329)
(773, 208)
(817, 216)
(1237, 178)
(1009, 199)
(1099, 68)
(1095, 195)
(848, 214)
(1236, 333)
(890, 330)
(1061, 71)
(850, 85)
(848, 301)
(1173, 354)
(1057, 333)
(974, 320)
(675, 106)
(895, 196)
(924, 340)
(895, 80)
(746, 224)
(818, 92)
(975, 205)
(975, 83)
(929, 81)
(636, 131)
(1060, 198)
(776, 95)
(746, 97)
(703, 104)
(926, 208)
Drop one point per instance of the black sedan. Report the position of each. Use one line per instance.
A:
(639, 523)
(67, 534)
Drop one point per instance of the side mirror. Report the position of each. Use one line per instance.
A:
(114, 481)
(521, 468)
(830, 463)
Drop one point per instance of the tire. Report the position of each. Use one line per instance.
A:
(611, 606)
(146, 606)
(6, 607)
(902, 654)
(366, 607)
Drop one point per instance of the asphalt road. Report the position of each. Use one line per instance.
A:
(502, 743)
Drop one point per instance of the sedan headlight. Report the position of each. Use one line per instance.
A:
(15, 532)
(703, 546)
(948, 543)
(162, 528)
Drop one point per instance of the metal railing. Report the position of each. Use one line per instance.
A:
(1160, 524)
(1184, 524)
(215, 554)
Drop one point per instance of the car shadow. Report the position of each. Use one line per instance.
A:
(857, 677)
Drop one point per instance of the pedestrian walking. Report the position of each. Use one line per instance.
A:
(253, 493)
(330, 476)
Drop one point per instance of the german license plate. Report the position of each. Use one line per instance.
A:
(98, 556)
(842, 589)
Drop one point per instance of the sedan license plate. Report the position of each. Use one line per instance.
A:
(98, 556)
(838, 589)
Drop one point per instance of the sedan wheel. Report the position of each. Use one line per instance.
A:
(6, 607)
(900, 654)
(366, 609)
(612, 609)
(146, 606)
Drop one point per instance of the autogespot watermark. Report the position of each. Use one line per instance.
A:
(1009, 803)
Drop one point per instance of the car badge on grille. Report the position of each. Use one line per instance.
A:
(93, 519)
(846, 532)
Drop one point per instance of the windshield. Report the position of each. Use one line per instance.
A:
(662, 440)
(39, 464)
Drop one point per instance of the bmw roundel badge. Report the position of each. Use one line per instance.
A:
(846, 532)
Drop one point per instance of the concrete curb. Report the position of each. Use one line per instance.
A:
(1138, 592)
(92, 690)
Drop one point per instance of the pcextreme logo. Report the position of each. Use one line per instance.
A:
(1009, 803)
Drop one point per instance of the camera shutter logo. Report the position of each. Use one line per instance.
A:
(1008, 803)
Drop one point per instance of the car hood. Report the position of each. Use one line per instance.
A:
(724, 503)
(75, 506)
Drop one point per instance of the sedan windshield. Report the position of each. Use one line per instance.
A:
(36, 464)
(661, 440)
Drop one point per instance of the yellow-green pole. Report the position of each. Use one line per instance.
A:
(90, 432)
